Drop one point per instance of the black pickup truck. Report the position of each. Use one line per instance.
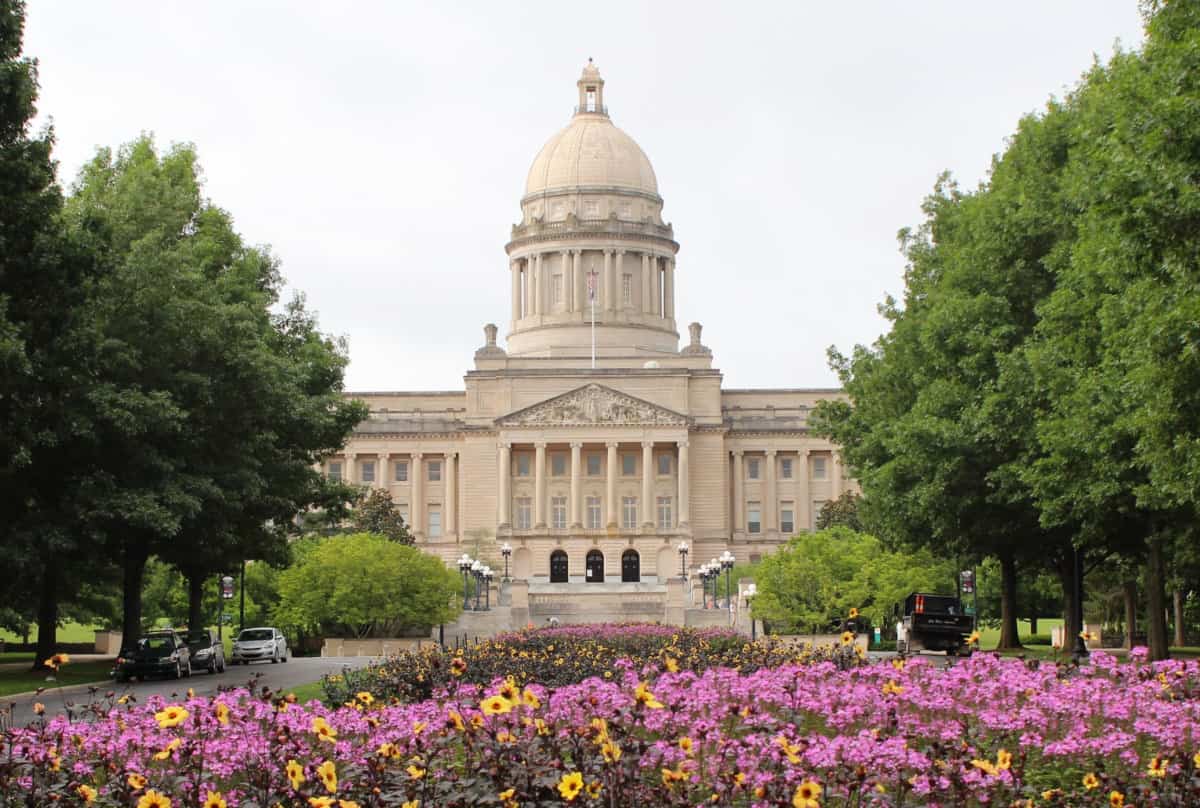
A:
(933, 623)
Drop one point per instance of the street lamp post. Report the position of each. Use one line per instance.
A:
(683, 551)
(487, 588)
(1081, 650)
(464, 566)
(727, 561)
(751, 592)
(714, 574)
(477, 572)
(506, 551)
(703, 573)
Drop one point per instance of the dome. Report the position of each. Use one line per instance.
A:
(591, 152)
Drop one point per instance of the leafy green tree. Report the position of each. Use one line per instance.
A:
(362, 584)
(378, 514)
(841, 512)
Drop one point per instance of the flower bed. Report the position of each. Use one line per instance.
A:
(564, 655)
(986, 731)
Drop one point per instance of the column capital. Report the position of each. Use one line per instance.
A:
(682, 444)
(771, 452)
(609, 251)
(505, 444)
(612, 444)
(737, 452)
(539, 444)
(418, 455)
(576, 444)
(621, 252)
(451, 454)
(647, 444)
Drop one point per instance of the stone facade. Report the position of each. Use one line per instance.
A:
(593, 444)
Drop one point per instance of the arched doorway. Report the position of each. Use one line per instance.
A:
(631, 567)
(558, 567)
(595, 567)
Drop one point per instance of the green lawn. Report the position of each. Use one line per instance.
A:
(16, 656)
(308, 692)
(988, 637)
(69, 632)
(21, 681)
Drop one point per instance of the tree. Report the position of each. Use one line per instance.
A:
(378, 514)
(840, 512)
(363, 583)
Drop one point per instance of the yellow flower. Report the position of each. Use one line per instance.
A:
(973, 639)
(1116, 799)
(323, 731)
(327, 774)
(171, 716)
(1158, 766)
(458, 666)
(415, 771)
(891, 688)
(986, 766)
(388, 750)
(1088, 636)
(594, 788)
(506, 798)
(136, 781)
(347, 804)
(847, 637)
(166, 751)
(685, 743)
(1051, 794)
(530, 698)
(1003, 759)
(542, 729)
(642, 695)
(295, 773)
(509, 690)
(152, 799)
(1091, 781)
(570, 785)
(495, 705)
(418, 727)
(853, 613)
(38, 708)
(808, 795)
(455, 719)
(411, 804)
(610, 751)
(672, 776)
(365, 697)
(672, 665)
(320, 802)
(214, 800)
(88, 794)
(222, 713)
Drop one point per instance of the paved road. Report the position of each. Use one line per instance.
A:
(297, 671)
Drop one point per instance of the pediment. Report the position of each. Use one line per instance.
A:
(590, 405)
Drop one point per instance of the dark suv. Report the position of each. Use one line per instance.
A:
(155, 653)
(206, 650)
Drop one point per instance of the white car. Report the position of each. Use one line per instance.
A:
(259, 644)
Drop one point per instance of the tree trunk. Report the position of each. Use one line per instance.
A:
(195, 580)
(47, 615)
(1156, 602)
(1033, 624)
(1008, 603)
(1129, 593)
(1180, 634)
(1066, 577)
(136, 554)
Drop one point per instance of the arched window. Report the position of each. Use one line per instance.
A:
(595, 567)
(631, 566)
(558, 567)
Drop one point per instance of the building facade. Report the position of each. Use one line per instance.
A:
(592, 443)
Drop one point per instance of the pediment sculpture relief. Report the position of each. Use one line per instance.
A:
(593, 404)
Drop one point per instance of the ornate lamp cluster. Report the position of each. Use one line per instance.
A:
(477, 579)
(712, 572)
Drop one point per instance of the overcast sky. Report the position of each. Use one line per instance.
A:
(381, 148)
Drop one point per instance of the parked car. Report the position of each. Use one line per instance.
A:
(156, 653)
(259, 643)
(206, 650)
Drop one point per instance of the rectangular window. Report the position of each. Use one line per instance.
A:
(818, 468)
(435, 471)
(787, 518)
(402, 508)
(627, 289)
(628, 465)
(435, 521)
(752, 468)
(558, 465)
(754, 518)
(401, 471)
(664, 513)
(335, 471)
(558, 512)
(558, 289)
(629, 513)
(367, 471)
(593, 465)
(524, 513)
(593, 513)
(664, 465)
(785, 468)
(523, 465)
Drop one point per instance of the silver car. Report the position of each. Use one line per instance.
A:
(259, 644)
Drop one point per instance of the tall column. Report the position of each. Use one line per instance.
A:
(381, 469)
(416, 508)
(804, 506)
(771, 506)
(645, 283)
(610, 491)
(648, 484)
(619, 282)
(515, 268)
(352, 467)
(739, 494)
(529, 287)
(685, 491)
(568, 273)
(836, 471)
(579, 289)
(576, 504)
(608, 297)
(451, 495)
(669, 290)
(504, 474)
(539, 485)
(539, 288)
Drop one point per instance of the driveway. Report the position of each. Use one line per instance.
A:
(282, 676)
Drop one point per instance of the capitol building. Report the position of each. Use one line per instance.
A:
(592, 443)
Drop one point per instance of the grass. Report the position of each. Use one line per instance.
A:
(16, 656)
(68, 632)
(308, 692)
(22, 681)
(988, 637)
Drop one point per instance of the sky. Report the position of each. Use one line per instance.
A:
(380, 148)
